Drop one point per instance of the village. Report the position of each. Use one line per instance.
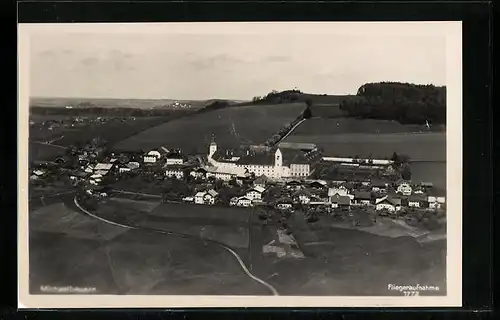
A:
(275, 180)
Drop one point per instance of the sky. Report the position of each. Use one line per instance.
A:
(200, 61)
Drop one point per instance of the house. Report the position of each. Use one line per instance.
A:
(199, 197)
(152, 156)
(176, 172)
(293, 185)
(427, 185)
(260, 181)
(388, 203)
(198, 173)
(339, 201)
(103, 166)
(318, 185)
(404, 188)
(302, 196)
(283, 204)
(101, 172)
(255, 193)
(174, 158)
(341, 191)
(206, 197)
(241, 202)
(38, 173)
(225, 174)
(379, 186)
(123, 169)
(133, 165)
(418, 190)
(362, 198)
(316, 200)
(417, 201)
(436, 202)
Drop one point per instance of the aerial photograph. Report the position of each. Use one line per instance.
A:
(257, 163)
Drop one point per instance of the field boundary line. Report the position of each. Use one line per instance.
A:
(290, 131)
(186, 236)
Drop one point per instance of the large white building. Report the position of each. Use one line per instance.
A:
(274, 163)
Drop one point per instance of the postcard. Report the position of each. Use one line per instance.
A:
(285, 164)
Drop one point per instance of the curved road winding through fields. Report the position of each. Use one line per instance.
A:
(182, 235)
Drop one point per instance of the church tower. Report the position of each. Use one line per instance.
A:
(278, 159)
(213, 148)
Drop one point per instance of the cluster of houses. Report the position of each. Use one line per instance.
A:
(279, 167)
(378, 194)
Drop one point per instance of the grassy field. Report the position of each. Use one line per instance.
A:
(111, 131)
(67, 248)
(351, 262)
(322, 126)
(43, 152)
(226, 225)
(231, 127)
(378, 138)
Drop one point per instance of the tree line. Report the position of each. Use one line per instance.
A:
(404, 102)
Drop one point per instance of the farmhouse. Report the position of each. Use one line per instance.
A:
(404, 188)
(378, 186)
(302, 196)
(417, 201)
(198, 173)
(284, 204)
(174, 171)
(255, 193)
(206, 197)
(103, 166)
(362, 198)
(152, 156)
(341, 191)
(436, 202)
(275, 163)
(339, 201)
(241, 202)
(294, 185)
(387, 203)
(318, 184)
(174, 158)
(224, 173)
(260, 181)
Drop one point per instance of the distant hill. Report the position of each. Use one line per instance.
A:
(115, 103)
(290, 96)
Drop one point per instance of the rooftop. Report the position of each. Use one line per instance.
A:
(103, 166)
(297, 145)
(363, 195)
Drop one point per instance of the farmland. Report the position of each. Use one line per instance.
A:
(69, 249)
(378, 138)
(231, 126)
(221, 224)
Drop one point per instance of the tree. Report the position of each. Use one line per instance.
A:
(307, 113)
(406, 173)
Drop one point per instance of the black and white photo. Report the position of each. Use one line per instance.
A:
(246, 164)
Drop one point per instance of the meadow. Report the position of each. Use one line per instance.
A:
(351, 262)
(226, 225)
(70, 249)
(43, 152)
(376, 138)
(231, 126)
